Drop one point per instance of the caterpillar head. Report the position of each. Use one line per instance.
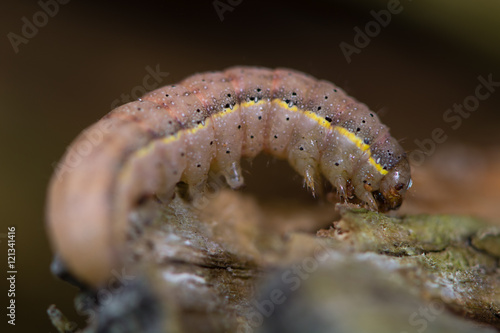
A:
(394, 186)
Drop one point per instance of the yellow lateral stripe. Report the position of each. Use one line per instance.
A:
(226, 111)
(354, 139)
(342, 131)
(144, 151)
(310, 114)
(196, 128)
(349, 135)
(361, 145)
(252, 103)
(377, 166)
(320, 120)
(284, 105)
(171, 138)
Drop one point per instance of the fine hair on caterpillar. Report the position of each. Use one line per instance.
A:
(206, 124)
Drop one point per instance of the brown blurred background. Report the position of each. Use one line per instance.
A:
(89, 53)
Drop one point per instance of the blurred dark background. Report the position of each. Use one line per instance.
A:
(90, 52)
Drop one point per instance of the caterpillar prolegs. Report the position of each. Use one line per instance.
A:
(208, 122)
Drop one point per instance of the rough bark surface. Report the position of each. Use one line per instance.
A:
(241, 266)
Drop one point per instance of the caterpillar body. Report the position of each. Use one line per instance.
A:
(208, 122)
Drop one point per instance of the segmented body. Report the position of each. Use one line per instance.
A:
(208, 122)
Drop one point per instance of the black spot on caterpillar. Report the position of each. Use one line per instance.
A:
(208, 122)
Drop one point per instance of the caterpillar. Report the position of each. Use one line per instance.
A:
(207, 123)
